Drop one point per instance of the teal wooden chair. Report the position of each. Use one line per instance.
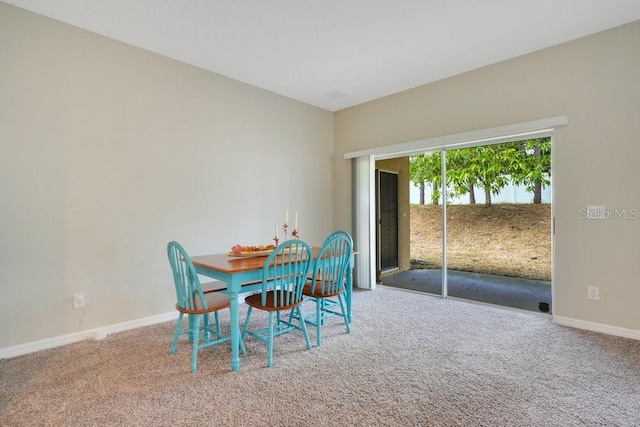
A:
(284, 275)
(196, 304)
(326, 284)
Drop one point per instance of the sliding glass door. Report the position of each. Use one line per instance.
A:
(485, 235)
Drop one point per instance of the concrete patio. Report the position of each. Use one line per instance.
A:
(524, 294)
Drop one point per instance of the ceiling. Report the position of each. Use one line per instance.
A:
(338, 53)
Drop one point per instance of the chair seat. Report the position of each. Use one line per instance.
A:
(215, 301)
(213, 286)
(255, 301)
(318, 291)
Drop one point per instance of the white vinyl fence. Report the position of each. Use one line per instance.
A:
(509, 194)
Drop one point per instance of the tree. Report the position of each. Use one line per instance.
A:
(461, 173)
(479, 166)
(425, 168)
(491, 167)
(531, 165)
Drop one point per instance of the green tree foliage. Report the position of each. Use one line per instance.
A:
(532, 166)
(479, 166)
(491, 167)
(427, 168)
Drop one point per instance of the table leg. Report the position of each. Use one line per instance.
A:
(234, 310)
(349, 288)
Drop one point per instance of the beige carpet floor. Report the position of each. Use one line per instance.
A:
(410, 360)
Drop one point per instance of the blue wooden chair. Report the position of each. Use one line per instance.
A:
(284, 275)
(326, 285)
(196, 304)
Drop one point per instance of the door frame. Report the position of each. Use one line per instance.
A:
(362, 159)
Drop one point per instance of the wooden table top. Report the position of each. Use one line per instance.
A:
(229, 264)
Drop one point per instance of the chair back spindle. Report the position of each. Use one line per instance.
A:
(185, 278)
(285, 273)
(330, 268)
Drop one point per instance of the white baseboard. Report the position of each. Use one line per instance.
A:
(96, 334)
(597, 327)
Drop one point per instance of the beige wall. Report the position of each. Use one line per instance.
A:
(107, 152)
(594, 82)
(401, 166)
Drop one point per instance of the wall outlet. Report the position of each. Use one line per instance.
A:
(78, 300)
(593, 292)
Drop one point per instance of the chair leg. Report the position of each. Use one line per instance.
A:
(323, 307)
(196, 342)
(344, 313)
(291, 316)
(245, 328)
(242, 347)
(215, 315)
(205, 324)
(176, 334)
(270, 342)
(304, 327)
(190, 319)
(319, 321)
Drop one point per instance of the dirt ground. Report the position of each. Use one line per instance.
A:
(503, 239)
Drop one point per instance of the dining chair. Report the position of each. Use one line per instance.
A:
(284, 275)
(196, 304)
(326, 284)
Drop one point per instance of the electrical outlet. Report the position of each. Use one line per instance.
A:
(593, 292)
(78, 300)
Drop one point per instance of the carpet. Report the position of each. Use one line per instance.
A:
(410, 360)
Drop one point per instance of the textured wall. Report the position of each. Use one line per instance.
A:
(107, 152)
(594, 82)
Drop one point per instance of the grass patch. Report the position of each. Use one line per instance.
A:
(504, 239)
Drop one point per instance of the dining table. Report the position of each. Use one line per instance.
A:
(243, 275)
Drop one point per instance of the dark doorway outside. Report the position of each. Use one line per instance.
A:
(387, 219)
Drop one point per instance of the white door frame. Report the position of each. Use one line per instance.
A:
(363, 184)
(363, 220)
